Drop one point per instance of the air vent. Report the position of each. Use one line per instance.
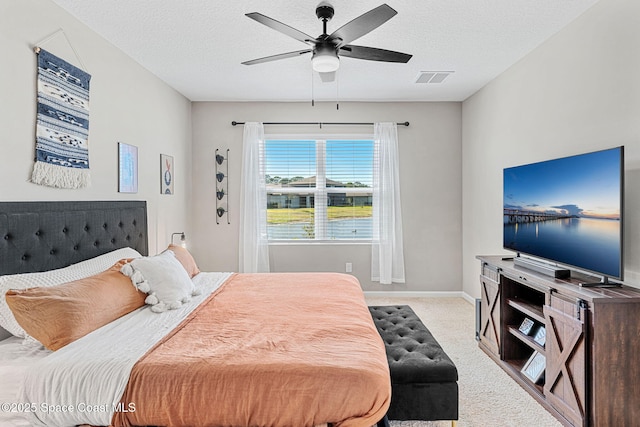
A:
(432, 76)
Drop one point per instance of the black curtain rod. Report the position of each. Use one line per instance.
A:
(234, 123)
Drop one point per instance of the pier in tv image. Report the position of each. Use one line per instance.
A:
(568, 210)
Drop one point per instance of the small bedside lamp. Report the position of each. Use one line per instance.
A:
(183, 239)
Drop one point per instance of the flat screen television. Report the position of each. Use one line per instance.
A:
(568, 211)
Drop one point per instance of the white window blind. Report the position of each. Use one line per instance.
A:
(319, 189)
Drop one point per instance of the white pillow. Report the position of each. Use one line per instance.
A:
(163, 278)
(56, 277)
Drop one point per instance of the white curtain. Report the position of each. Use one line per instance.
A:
(254, 243)
(387, 257)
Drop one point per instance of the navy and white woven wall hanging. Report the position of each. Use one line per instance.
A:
(62, 125)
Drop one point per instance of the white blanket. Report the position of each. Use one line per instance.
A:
(83, 382)
(17, 355)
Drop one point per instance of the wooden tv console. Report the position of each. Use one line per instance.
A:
(592, 346)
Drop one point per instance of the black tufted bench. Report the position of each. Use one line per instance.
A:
(423, 379)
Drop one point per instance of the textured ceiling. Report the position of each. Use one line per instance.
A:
(196, 46)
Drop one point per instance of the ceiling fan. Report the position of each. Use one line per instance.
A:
(326, 49)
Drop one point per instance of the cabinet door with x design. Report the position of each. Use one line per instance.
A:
(565, 386)
(490, 309)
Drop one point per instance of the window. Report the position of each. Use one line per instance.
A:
(319, 189)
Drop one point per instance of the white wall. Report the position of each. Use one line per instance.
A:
(577, 92)
(128, 104)
(430, 162)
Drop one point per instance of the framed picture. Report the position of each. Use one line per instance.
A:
(166, 174)
(526, 326)
(127, 168)
(540, 336)
(534, 368)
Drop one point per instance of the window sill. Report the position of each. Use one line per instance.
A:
(320, 242)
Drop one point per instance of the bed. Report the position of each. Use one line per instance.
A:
(290, 349)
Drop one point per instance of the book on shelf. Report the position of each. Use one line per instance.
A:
(526, 326)
(540, 335)
(534, 368)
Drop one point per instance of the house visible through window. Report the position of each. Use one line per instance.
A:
(319, 189)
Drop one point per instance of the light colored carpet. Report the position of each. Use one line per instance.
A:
(488, 396)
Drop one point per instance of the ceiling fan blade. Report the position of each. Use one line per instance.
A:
(283, 28)
(362, 24)
(276, 57)
(328, 77)
(373, 54)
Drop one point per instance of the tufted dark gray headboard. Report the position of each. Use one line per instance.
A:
(39, 236)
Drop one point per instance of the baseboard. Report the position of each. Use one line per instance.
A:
(421, 294)
(468, 298)
(413, 294)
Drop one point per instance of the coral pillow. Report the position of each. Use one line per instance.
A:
(56, 277)
(59, 315)
(163, 278)
(185, 258)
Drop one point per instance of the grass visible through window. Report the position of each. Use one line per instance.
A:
(288, 215)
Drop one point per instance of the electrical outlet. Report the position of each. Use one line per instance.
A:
(349, 267)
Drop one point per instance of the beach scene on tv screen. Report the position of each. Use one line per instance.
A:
(567, 210)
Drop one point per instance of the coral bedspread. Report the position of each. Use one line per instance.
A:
(291, 349)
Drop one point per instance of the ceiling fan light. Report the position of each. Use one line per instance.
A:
(325, 62)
